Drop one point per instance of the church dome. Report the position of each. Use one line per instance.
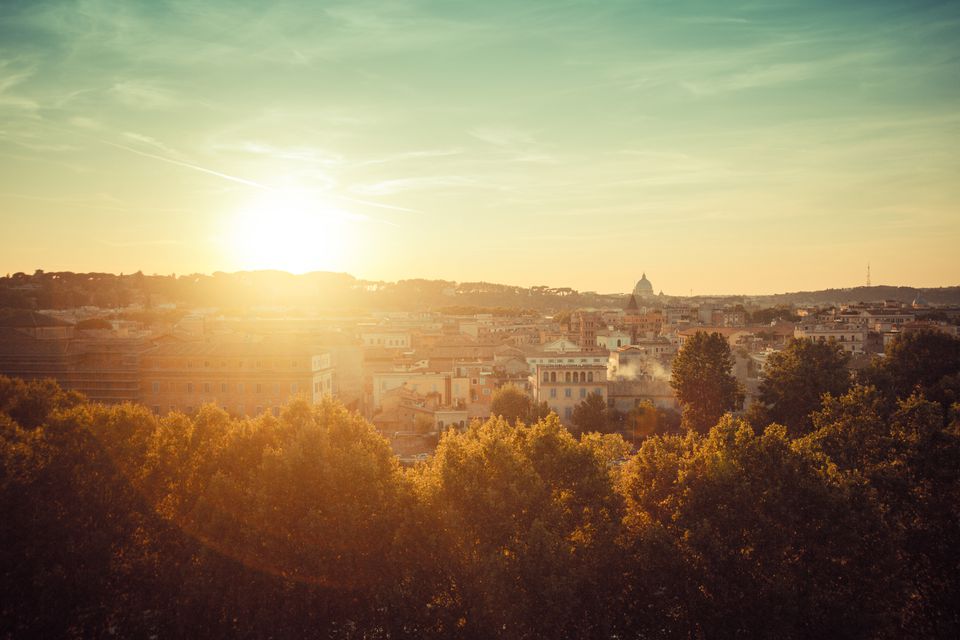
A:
(643, 289)
(920, 302)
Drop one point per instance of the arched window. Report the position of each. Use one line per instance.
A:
(583, 376)
(546, 376)
(590, 376)
(568, 376)
(553, 376)
(618, 343)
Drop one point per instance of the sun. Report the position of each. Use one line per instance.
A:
(291, 231)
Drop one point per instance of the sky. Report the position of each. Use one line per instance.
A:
(734, 147)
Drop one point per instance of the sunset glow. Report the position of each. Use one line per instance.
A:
(289, 231)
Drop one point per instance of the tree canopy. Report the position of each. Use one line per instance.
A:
(703, 381)
(117, 522)
(794, 380)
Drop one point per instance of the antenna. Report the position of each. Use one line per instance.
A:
(868, 274)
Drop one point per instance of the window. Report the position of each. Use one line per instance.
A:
(206, 387)
(598, 391)
(590, 376)
(553, 376)
(293, 387)
(259, 390)
(568, 392)
(189, 387)
(567, 412)
(156, 387)
(566, 377)
(486, 391)
(546, 377)
(156, 409)
(583, 393)
(206, 363)
(553, 392)
(223, 387)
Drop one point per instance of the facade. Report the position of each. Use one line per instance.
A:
(852, 337)
(564, 386)
(610, 339)
(244, 378)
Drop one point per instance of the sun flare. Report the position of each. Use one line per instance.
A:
(290, 231)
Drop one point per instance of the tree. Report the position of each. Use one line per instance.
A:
(925, 361)
(908, 462)
(751, 535)
(646, 419)
(591, 415)
(794, 380)
(704, 384)
(529, 521)
(511, 402)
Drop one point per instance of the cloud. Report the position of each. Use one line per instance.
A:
(388, 187)
(141, 95)
(409, 155)
(502, 136)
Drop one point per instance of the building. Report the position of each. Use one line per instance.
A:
(643, 289)
(564, 386)
(104, 368)
(244, 378)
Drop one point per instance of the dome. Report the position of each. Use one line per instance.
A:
(643, 289)
(919, 302)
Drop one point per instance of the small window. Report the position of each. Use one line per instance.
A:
(223, 387)
(259, 389)
(206, 387)
(156, 387)
(189, 387)
(553, 392)
(583, 393)
(568, 392)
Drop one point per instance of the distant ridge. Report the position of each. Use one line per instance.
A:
(334, 291)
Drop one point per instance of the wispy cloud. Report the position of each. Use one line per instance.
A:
(502, 136)
(399, 185)
(141, 95)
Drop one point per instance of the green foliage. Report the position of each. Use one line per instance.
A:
(592, 415)
(927, 362)
(794, 381)
(766, 316)
(117, 523)
(529, 518)
(763, 537)
(512, 403)
(704, 384)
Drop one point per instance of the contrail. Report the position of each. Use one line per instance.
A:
(377, 204)
(225, 176)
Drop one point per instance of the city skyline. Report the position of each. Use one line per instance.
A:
(744, 149)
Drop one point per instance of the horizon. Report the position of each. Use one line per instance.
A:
(507, 284)
(745, 149)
